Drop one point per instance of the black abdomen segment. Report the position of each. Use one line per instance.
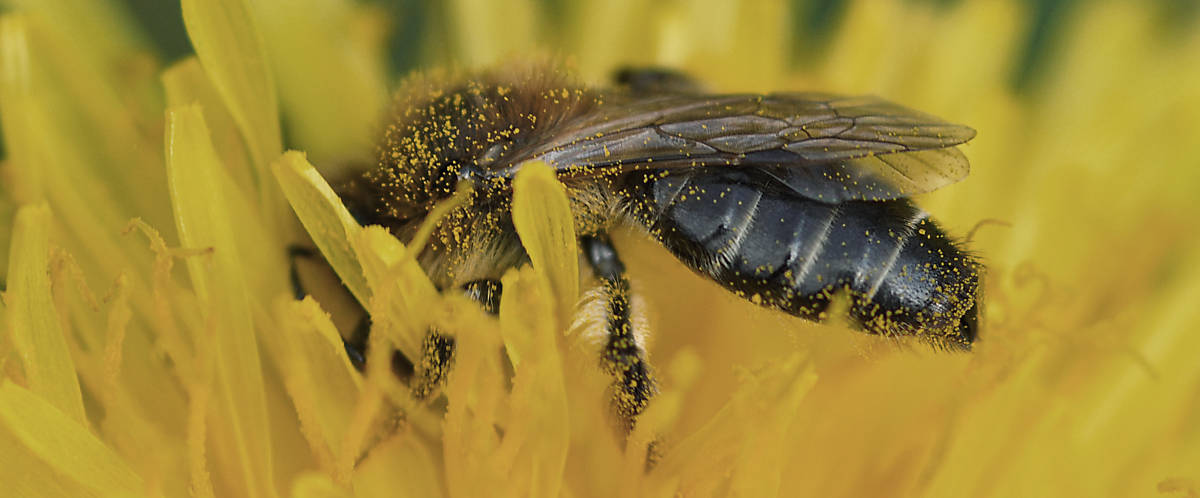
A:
(903, 275)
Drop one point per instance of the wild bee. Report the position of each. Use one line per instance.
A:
(787, 199)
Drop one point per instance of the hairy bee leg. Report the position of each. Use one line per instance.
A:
(437, 356)
(622, 356)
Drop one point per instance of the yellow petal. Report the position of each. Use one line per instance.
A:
(314, 485)
(230, 48)
(64, 136)
(65, 444)
(202, 199)
(475, 392)
(542, 216)
(323, 384)
(404, 297)
(317, 50)
(73, 143)
(103, 31)
(535, 443)
(82, 145)
(24, 474)
(403, 467)
(763, 453)
(72, 132)
(325, 219)
(5, 332)
(754, 453)
(7, 210)
(37, 334)
(187, 83)
(21, 116)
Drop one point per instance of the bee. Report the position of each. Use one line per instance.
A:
(788, 200)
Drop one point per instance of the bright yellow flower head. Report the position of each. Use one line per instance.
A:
(150, 344)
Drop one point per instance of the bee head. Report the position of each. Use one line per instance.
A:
(443, 131)
(435, 136)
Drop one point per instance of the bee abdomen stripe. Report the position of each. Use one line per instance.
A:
(814, 244)
(895, 256)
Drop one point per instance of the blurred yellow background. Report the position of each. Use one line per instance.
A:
(1081, 202)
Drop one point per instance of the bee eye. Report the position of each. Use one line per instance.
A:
(968, 328)
(471, 173)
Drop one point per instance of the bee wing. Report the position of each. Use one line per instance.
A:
(822, 146)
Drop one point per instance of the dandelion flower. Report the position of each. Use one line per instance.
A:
(150, 344)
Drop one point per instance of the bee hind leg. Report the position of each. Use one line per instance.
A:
(437, 356)
(622, 356)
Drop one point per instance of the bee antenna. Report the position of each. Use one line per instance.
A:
(982, 223)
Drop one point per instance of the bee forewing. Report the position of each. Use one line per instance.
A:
(823, 147)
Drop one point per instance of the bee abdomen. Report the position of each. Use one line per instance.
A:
(901, 272)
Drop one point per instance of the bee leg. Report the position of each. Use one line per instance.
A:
(437, 351)
(294, 252)
(356, 344)
(356, 351)
(623, 357)
(437, 356)
(648, 81)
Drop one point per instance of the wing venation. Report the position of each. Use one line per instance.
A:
(822, 146)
